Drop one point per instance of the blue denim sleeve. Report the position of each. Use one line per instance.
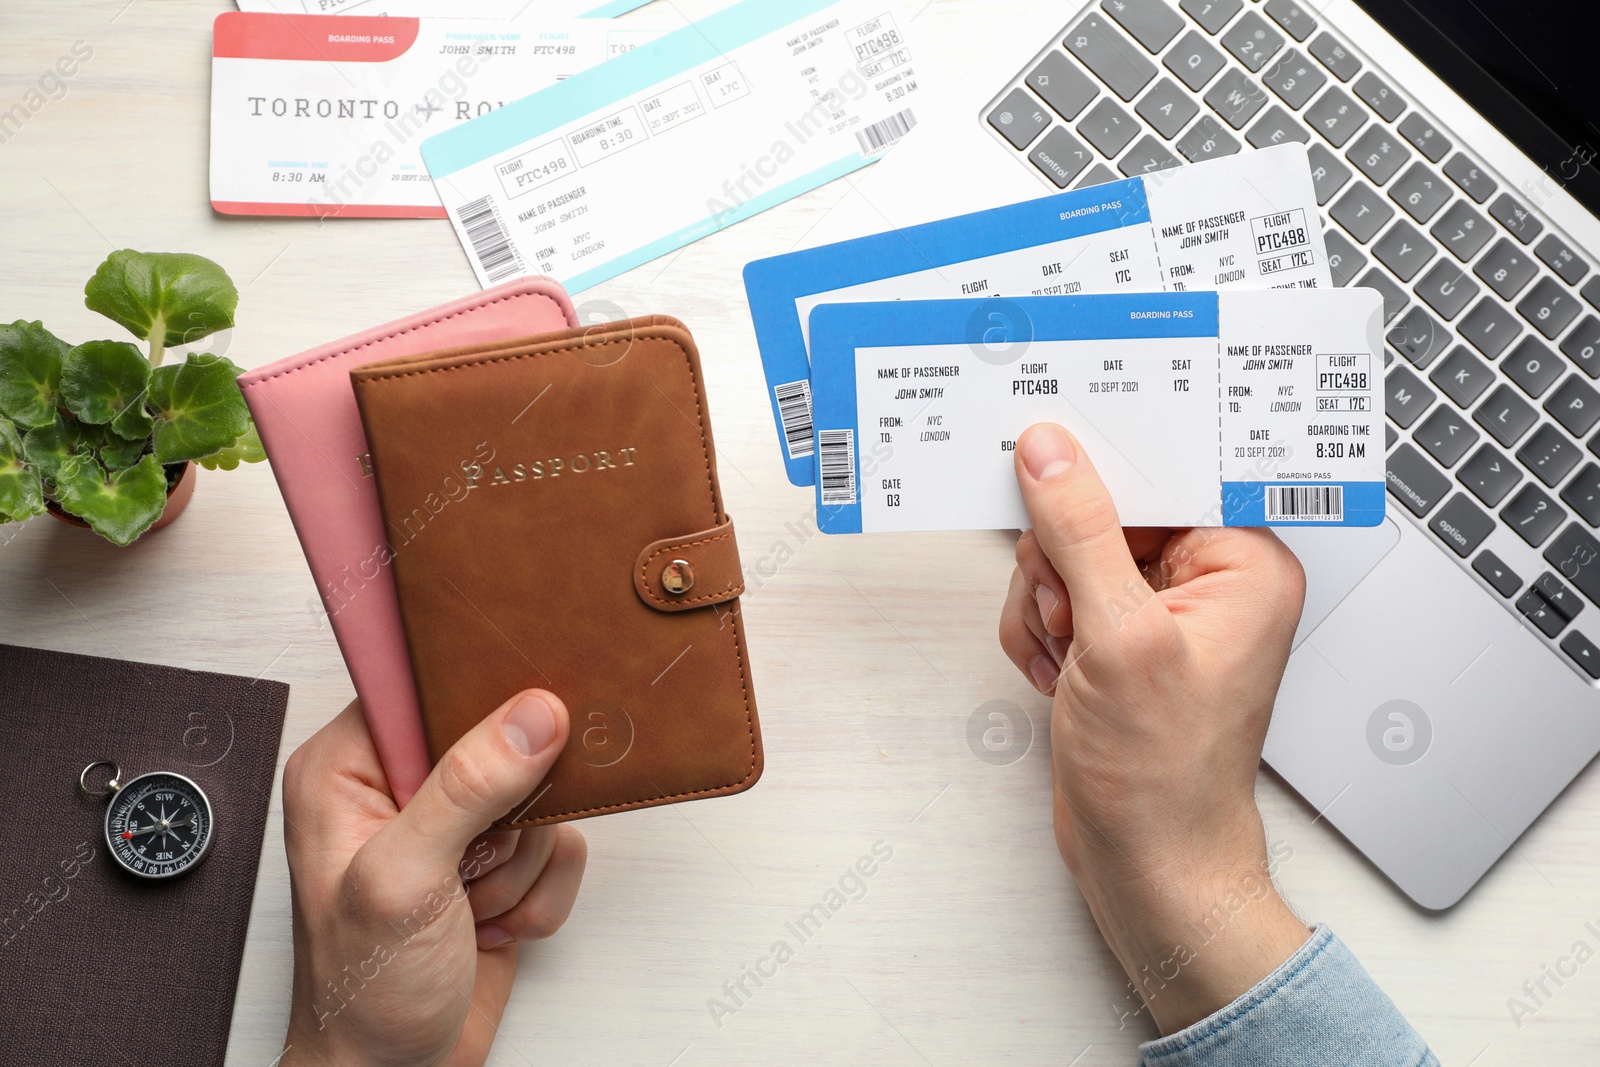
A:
(1320, 1007)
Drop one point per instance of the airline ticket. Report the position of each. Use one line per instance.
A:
(448, 9)
(1236, 408)
(1248, 220)
(677, 139)
(325, 115)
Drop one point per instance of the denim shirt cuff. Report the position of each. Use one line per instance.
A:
(1319, 1007)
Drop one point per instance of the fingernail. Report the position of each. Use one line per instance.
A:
(1048, 602)
(490, 937)
(1047, 451)
(1058, 649)
(1045, 673)
(530, 725)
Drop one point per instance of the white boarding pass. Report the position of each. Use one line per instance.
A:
(1236, 408)
(325, 115)
(1248, 220)
(448, 9)
(676, 139)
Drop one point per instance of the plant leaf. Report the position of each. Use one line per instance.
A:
(198, 407)
(103, 382)
(117, 452)
(247, 449)
(118, 507)
(172, 296)
(21, 495)
(48, 447)
(30, 373)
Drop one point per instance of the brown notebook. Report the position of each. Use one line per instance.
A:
(97, 966)
(553, 509)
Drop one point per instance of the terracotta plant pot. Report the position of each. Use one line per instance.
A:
(179, 491)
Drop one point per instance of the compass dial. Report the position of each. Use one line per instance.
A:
(159, 825)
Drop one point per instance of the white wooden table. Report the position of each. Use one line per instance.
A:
(871, 655)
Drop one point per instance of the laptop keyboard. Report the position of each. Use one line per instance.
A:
(1493, 341)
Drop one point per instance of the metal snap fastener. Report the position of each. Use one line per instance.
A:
(678, 577)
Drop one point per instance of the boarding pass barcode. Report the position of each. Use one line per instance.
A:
(1305, 503)
(836, 466)
(794, 410)
(490, 241)
(882, 134)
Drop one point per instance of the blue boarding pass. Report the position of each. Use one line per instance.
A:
(1248, 220)
(1238, 408)
(676, 139)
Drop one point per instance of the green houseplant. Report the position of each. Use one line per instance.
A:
(103, 431)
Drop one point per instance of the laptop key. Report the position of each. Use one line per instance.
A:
(1582, 346)
(1500, 577)
(1362, 212)
(1506, 268)
(1582, 652)
(1294, 78)
(1292, 17)
(1470, 177)
(1425, 137)
(1446, 289)
(1152, 23)
(1212, 15)
(1404, 250)
(1490, 476)
(1414, 481)
(1575, 555)
(1019, 119)
(1167, 108)
(1558, 595)
(1576, 406)
(1506, 416)
(1461, 525)
(1489, 327)
(1336, 116)
(1110, 56)
(1378, 154)
(1420, 193)
(1591, 291)
(1544, 618)
(1533, 515)
(1549, 307)
(1061, 157)
(1389, 437)
(1335, 56)
(1109, 128)
(1276, 127)
(1582, 494)
(1099, 174)
(1462, 377)
(1147, 157)
(1207, 139)
(1194, 60)
(1063, 85)
(1328, 173)
(1463, 231)
(1566, 263)
(1377, 95)
(1344, 259)
(1252, 42)
(1446, 436)
(1236, 98)
(1394, 297)
(1515, 218)
(1407, 397)
(1549, 455)
(1418, 337)
(1532, 366)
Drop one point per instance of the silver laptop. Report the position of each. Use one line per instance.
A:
(1443, 688)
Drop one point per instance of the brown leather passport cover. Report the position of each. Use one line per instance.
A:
(97, 966)
(553, 510)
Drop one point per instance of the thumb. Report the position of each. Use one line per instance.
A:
(1076, 524)
(486, 775)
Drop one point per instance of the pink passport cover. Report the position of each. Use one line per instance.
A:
(306, 414)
